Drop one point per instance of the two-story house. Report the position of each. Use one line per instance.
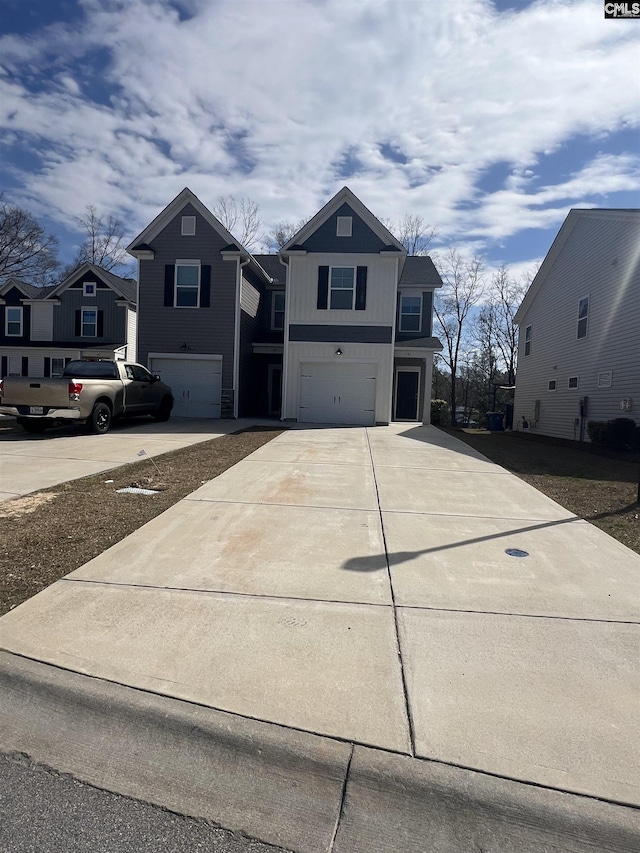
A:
(335, 328)
(579, 349)
(91, 313)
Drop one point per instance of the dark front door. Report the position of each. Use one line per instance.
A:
(275, 389)
(407, 387)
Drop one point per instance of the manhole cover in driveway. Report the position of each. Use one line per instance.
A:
(516, 552)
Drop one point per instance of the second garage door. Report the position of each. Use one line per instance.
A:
(337, 393)
(196, 384)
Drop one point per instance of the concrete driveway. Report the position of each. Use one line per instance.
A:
(32, 462)
(385, 609)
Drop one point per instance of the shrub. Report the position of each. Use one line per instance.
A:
(619, 433)
(597, 431)
(634, 444)
(439, 412)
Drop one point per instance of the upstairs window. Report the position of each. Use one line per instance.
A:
(573, 382)
(188, 228)
(552, 384)
(342, 282)
(187, 284)
(583, 317)
(277, 311)
(89, 323)
(527, 340)
(344, 226)
(88, 288)
(13, 323)
(410, 313)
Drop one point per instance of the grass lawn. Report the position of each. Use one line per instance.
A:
(601, 487)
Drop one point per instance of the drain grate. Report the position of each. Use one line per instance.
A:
(516, 552)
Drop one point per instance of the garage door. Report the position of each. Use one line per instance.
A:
(196, 384)
(340, 393)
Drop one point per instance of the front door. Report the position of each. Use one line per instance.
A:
(407, 393)
(275, 390)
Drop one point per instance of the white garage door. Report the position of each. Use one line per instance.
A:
(337, 393)
(196, 384)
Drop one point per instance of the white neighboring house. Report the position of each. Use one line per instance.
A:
(579, 343)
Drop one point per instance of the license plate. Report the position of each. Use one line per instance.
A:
(36, 410)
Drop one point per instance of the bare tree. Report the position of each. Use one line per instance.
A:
(282, 233)
(413, 232)
(463, 287)
(26, 250)
(506, 294)
(104, 242)
(240, 216)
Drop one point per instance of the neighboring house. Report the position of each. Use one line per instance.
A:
(579, 347)
(91, 313)
(335, 328)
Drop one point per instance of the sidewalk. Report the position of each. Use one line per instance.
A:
(331, 637)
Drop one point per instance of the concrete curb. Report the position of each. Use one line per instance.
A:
(286, 787)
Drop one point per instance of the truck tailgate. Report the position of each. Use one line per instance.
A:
(25, 391)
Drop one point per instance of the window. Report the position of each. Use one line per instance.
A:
(89, 323)
(573, 382)
(527, 340)
(187, 294)
(344, 226)
(410, 313)
(13, 322)
(342, 281)
(188, 226)
(552, 385)
(57, 366)
(137, 373)
(277, 310)
(88, 288)
(605, 379)
(583, 317)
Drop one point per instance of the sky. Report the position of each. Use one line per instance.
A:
(490, 119)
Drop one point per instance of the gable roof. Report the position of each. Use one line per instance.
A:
(272, 266)
(419, 271)
(565, 232)
(30, 291)
(341, 197)
(141, 242)
(123, 287)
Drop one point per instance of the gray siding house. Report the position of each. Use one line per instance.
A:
(91, 313)
(335, 328)
(579, 348)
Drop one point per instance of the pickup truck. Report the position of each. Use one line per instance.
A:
(93, 390)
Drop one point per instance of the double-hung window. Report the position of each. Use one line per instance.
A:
(277, 310)
(187, 284)
(13, 322)
(89, 323)
(342, 288)
(57, 366)
(583, 317)
(527, 340)
(410, 313)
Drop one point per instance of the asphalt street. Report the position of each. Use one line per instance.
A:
(44, 812)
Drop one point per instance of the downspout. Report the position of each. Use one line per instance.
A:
(236, 347)
(285, 347)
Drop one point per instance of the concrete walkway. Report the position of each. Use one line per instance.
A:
(353, 640)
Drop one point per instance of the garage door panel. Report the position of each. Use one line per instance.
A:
(337, 393)
(196, 385)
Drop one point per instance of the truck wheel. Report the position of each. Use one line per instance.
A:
(32, 426)
(100, 419)
(163, 412)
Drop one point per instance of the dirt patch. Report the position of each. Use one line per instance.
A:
(50, 533)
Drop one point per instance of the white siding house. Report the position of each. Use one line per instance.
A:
(579, 349)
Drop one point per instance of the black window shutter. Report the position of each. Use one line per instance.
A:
(205, 285)
(427, 312)
(78, 323)
(47, 367)
(100, 324)
(66, 361)
(3, 367)
(25, 365)
(361, 288)
(169, 275)
(323, 287)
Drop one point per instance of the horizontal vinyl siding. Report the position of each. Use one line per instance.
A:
(132, 333)
(599, 260)
(249, 324)
(42, 322)
(205, 330)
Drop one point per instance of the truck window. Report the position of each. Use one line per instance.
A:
(91, 370)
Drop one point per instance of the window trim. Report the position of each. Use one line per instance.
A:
(275, 310)
(571, 387)
(344, 226)
(342, 289)
(553, 382)
(402, 314)
(53, 373)
(184, 232)
(527, 340)
(83, 323)
(86, 284)
(9, 334)
(584, 319)
(187, 263)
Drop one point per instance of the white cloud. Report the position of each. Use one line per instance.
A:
(267, 98)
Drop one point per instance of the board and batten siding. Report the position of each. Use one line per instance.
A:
(72, 300)
(132, 334)
(42, 321)
(249, 323)
(203, 330)
(601, 260)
